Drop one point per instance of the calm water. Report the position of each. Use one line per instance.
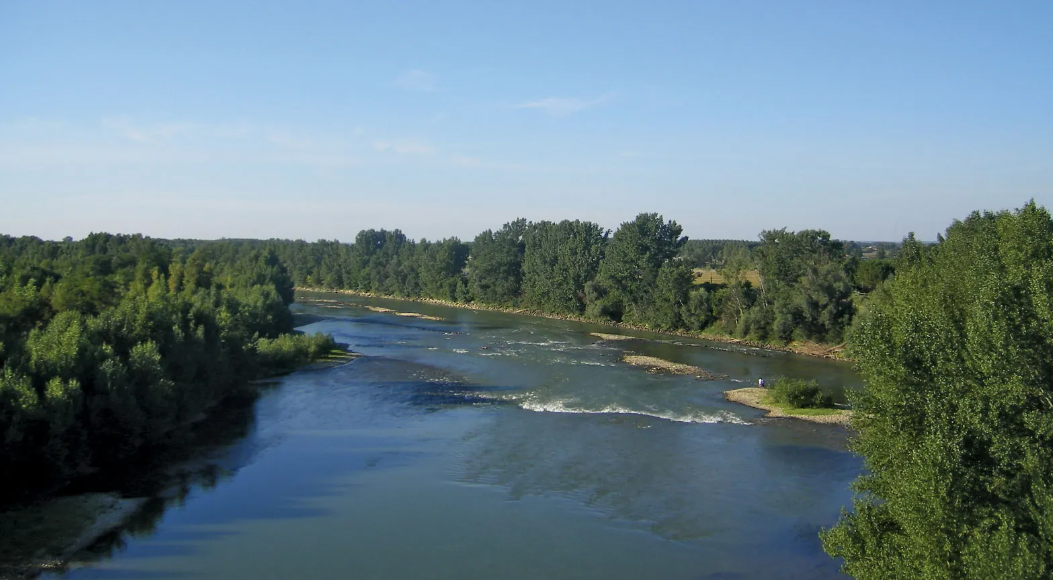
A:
(495, 446)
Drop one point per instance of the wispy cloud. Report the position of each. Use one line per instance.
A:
(405, 147)
(285, 139)
(417, 80)
(165, 131)
(559, 106)
(145, 133)
(465, 161)
(34, 125)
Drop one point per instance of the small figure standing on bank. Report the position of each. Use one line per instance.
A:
(760, 382)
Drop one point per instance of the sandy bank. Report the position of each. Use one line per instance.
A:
(797, 347)
(605, 336)
(656, 365)
(398, 313)
(755, 397)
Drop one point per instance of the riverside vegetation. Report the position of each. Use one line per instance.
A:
(112, 346)
(955, 423)
(809, 284)
(112, 350)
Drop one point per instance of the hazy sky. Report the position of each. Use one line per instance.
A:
(315, 119)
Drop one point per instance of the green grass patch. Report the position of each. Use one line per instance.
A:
(807, 412)
(712, 276)
(337, 354)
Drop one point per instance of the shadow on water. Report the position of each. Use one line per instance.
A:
(434, 396)
(385, 320)
(229, 442)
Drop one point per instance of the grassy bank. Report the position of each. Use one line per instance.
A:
(761, 399)
(805, 348)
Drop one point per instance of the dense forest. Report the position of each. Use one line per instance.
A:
(810, 284)
(111, 346)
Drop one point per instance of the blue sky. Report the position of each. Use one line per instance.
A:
(316, 119)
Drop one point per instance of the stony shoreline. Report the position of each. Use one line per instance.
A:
(802, 348)
(754, 397)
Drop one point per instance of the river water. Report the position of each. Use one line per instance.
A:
(496, 446)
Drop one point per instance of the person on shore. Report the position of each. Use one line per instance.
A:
(760, 382)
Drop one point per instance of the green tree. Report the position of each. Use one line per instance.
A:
(700, 311)
(956, 420)
(495, 267)
(559, 260)
(630, 266)
(669, 300)
(441, 267)
(870, 273)
(805, 287)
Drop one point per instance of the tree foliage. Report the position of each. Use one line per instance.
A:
(558, 261)
(641, 274)
(956, 420)
(495, 270)
(634, 256)
(109, 346)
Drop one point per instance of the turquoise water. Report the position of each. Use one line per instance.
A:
(490, 445)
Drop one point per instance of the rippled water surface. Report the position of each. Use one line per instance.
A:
(497, 446)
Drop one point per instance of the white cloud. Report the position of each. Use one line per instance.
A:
(417, 80)
(563, 105)
(406, 147)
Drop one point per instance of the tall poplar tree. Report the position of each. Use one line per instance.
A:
(629, 270)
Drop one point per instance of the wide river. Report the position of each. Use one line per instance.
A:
(496, 446)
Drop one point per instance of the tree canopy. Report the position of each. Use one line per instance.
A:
(956, 420)
(109, 346)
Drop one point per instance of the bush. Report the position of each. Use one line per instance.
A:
(288, 351)
(800, 394)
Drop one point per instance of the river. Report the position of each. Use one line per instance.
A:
(497, 446)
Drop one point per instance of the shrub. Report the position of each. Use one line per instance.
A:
(800, 394)
(289, 351)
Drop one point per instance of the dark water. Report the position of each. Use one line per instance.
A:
(495, 446)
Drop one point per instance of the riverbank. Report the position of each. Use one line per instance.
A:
(757, 398)
(43, 537)
(803, 348)
(46, 532)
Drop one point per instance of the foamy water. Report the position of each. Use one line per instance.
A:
(559, 406)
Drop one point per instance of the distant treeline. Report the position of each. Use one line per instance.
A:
(641, 274)
(717, 254)
(110, 346)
